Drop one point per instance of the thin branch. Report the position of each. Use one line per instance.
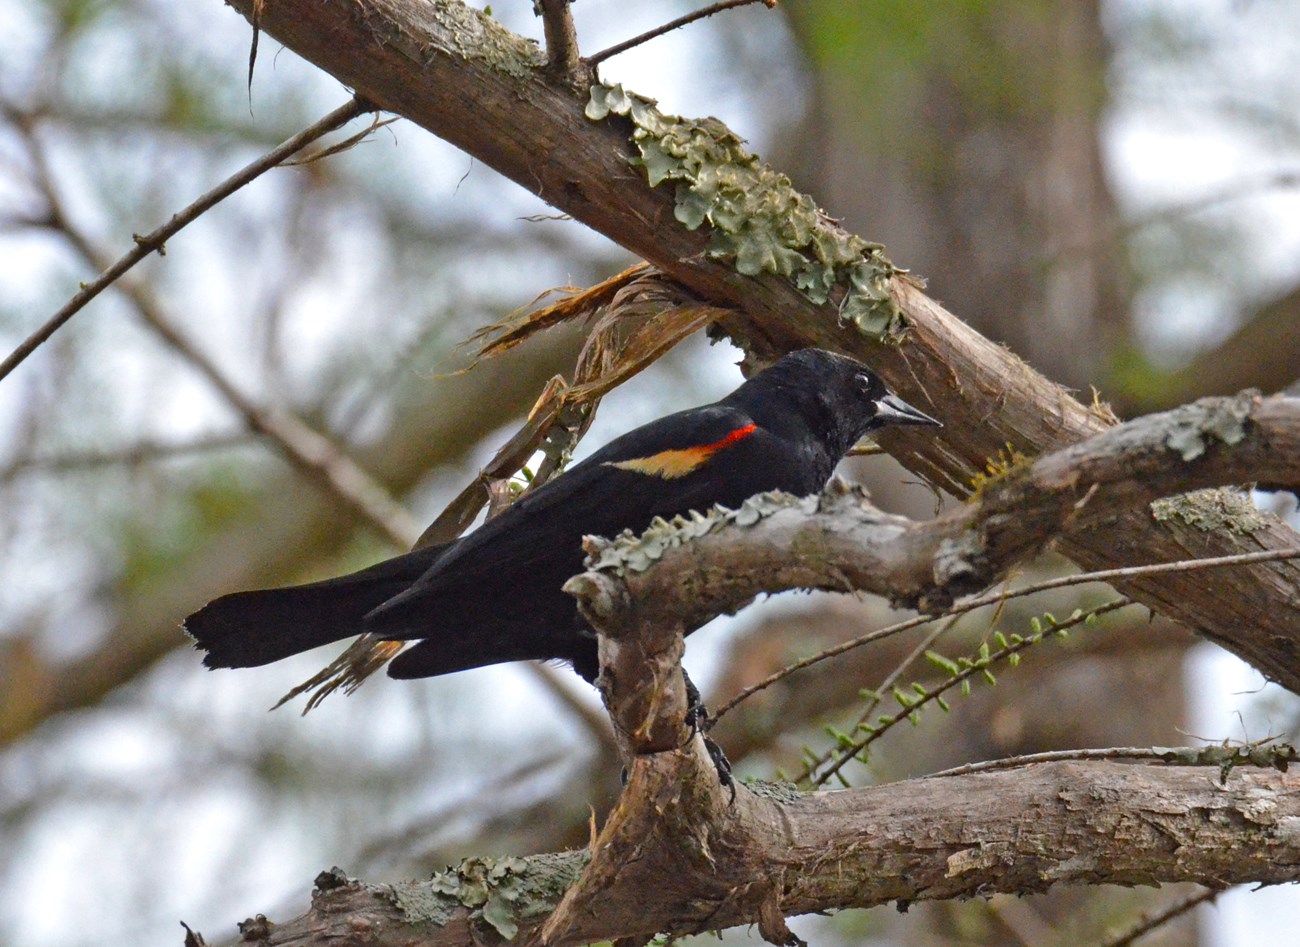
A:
(851, 751)
(873, 700)
(322, 460)
(130, 455)
(993, 598)
(561, 40)
(156, 240)
(1148, 924)
(672, 25)
(1263, 753)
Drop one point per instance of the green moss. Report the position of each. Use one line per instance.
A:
(1213, 510)
(757, 219)
(998, 469)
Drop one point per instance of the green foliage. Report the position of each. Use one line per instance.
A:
(1005, 649)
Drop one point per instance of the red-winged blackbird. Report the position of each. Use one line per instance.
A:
(494, 595)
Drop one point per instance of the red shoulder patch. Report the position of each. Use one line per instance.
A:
(671, 464)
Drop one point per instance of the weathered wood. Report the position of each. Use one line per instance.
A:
(679, 860)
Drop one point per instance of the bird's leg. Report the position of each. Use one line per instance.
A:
(698, 719)
(697, 715)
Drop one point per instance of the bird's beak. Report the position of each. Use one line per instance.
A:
(892, 409)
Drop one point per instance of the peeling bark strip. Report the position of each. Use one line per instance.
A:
(925, 839)
(459, 74)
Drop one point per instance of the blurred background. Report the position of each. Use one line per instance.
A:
(1109, 188)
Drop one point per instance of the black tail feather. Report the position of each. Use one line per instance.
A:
(249, 629)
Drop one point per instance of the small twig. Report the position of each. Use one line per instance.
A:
(347, 144)
(890, 680)
(1147, 924)
(1256, 754)
(156, 240)
(313, 453)
(142, 452)
(933, 694)
(670, 26)
(561, 39)
(1105, 575)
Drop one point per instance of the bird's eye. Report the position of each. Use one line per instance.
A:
(865, 383)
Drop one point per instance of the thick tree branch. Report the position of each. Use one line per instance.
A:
(707, 567)
(463, 77)
(674, 858)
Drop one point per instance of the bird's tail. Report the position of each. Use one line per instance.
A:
(249, 629)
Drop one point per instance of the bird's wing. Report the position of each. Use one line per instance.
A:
(657, 469)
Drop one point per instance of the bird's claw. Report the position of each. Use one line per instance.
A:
(698, 719)
(723, 767)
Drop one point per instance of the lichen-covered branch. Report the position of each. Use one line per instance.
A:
(674, 857)
(685, 573)
(461, 75)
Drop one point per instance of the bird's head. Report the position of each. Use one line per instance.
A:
(841, 395)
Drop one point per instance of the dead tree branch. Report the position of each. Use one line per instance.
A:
(675, 858)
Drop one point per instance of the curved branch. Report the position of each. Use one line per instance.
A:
(156, 240)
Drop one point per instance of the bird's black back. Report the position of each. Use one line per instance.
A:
(496, 596)
(503, 581)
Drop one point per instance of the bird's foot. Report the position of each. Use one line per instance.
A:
(698, 719)
(723, 767)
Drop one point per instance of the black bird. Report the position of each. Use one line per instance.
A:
(494, 595)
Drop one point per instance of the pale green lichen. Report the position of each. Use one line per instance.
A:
(421, 904)
(630, 552)
(499, 891)
(1221, 418)
(473, 34)
(1278, 756)
(758, 220)
(1212, 510)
